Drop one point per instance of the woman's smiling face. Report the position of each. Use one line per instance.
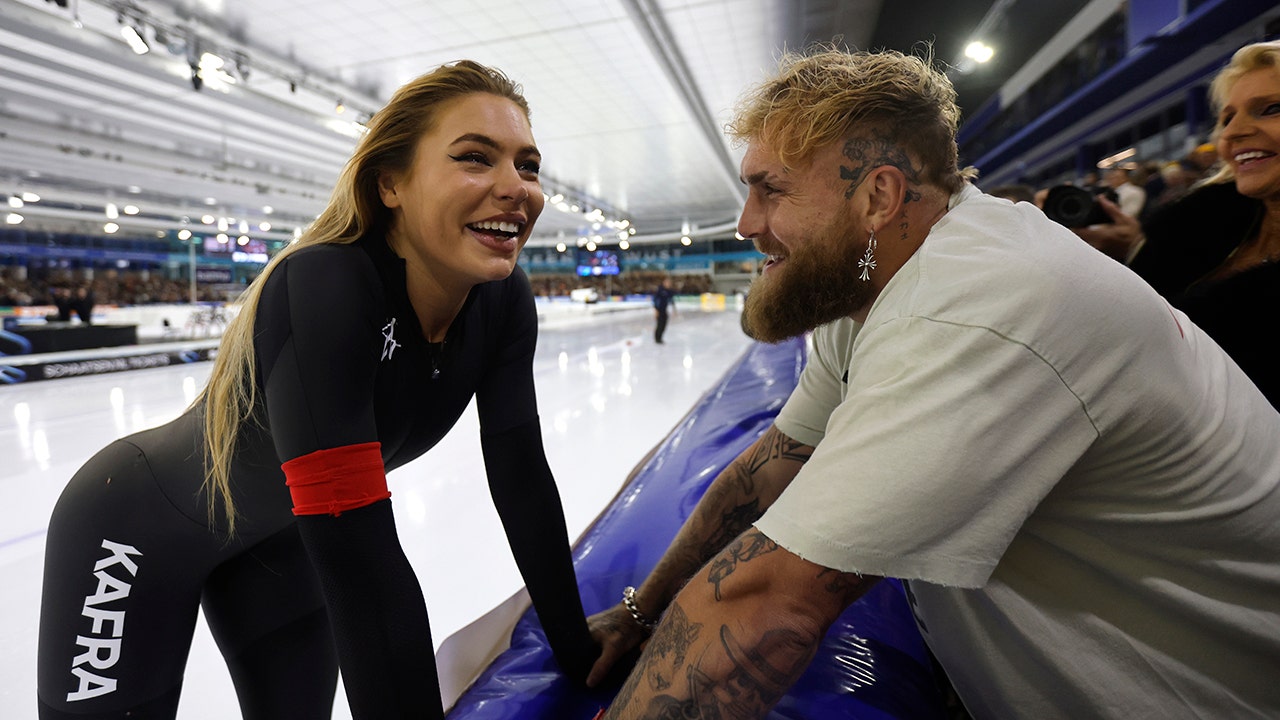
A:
(468, 203)
(1249, 140)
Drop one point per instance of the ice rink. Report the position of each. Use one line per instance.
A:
(607, 394)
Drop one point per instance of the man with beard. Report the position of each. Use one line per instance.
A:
(1078, 485)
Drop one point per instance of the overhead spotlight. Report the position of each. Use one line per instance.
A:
(110, 228)
(685, 240)
(184, 234)
(591, 246)
(979, 52)
(339, 108)
(132, 34)
(15, 202)
(13, 219)
(555, 199)
(131, 210)
(561, 247)
(242, 240)
(207, 219)
(30, 197)
(112, 211)
(624, 245)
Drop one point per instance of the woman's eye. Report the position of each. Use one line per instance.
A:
(472, 157)
(531, 167)
(1271, 109)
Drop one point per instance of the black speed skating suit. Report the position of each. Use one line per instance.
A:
(341, 361)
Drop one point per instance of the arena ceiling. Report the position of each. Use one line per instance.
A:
(628, 97)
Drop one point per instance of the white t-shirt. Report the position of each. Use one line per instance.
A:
(1083, 488)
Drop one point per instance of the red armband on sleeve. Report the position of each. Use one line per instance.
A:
(334, 481)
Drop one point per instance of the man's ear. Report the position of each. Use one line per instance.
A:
(387, 182)
(887, 191)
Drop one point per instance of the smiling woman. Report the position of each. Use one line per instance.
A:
(355, 352)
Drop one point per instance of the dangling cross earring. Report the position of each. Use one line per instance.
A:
(868, 261)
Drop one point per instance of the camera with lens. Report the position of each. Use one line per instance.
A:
(1077, 207)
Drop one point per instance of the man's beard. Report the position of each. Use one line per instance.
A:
(818, 283)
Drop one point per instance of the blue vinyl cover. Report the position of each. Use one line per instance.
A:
(872, 664)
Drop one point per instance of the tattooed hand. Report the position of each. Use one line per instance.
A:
(619, 635)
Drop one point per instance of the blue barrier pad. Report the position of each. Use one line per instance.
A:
(872, 665)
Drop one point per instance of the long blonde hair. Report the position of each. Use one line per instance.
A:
(1245, 60)
(355, 209)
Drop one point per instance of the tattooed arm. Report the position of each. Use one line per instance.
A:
(737, 637)
(733, 501)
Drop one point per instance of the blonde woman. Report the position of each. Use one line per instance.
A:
(267, 503)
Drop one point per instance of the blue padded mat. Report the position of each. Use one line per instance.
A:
(872, 665)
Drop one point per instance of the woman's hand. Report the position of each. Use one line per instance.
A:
(619, 636)
(1119, 239)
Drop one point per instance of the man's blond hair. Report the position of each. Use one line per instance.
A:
(828, 95)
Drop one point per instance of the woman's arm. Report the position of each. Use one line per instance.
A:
(525, 495)
(318, 341)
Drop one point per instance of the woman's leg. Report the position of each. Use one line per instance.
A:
(267, 614)
(122, 580)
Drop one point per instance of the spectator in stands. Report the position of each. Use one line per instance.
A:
(354, 352)
(1132, 197)
(662, 307)
(1216, 253)
(60, 298)
(82, 303)
(1079, 487)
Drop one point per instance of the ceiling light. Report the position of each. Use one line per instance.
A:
(339, 108)
(15, 202)
(684, 240)
(184, 234)
(242, 240)
(222, 238)
(560, 247)
(207, 219)
(268, 209)
(110, 228)
(133, 36)
(111, 211)
(13, 218)
(591, 246)
(556, 199)
(264, 226)
(30, 197)
(130, 209)
(979, 52)
(624, 245)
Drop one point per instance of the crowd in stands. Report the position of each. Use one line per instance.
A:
(108, 288)
(630, 282)
(135, 288)
(1142, 187)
